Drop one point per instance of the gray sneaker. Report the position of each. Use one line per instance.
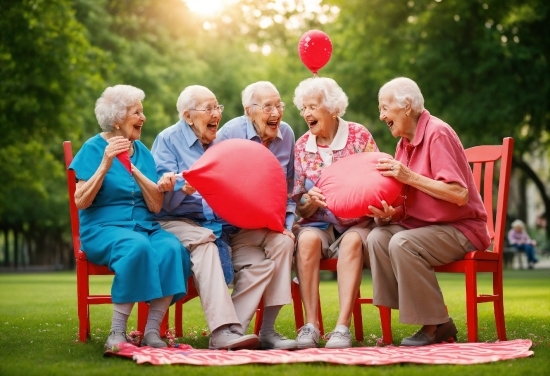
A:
(308, 337)
(276, 341)
(115, 338)
(338, 340)
(226, 339)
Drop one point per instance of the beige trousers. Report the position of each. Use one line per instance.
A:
(262, 260)
(402, 263)
(207, 271)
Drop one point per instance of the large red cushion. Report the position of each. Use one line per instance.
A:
(353, 183)
(243, 183)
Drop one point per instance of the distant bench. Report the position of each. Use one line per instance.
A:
(508, 257)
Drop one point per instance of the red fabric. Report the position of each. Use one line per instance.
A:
(243, 183)
(124, 158)
(353, 183)
(447, 353)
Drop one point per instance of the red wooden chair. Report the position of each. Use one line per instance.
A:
(483, 160)
(85, 268)
(385, 312)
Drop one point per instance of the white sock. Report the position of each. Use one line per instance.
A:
(342, 329)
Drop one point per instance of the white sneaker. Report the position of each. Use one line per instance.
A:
(276, 341)
(338, 340)
(226, 339)
(308, 337)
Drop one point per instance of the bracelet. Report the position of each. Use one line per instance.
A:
(387, 219)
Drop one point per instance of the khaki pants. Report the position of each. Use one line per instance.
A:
(402, 263)
(262, 260)
(207, 271)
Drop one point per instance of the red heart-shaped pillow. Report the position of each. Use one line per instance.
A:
(243, 183)
(353, 183)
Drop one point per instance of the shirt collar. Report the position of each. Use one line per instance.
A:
(188, 134)
(339, 142)
(420, 130)
(251, 131)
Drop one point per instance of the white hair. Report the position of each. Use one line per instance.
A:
(111, 108)
(251, 93)
(403, 88)
(188, 98)
(518, 223)
(333, 97)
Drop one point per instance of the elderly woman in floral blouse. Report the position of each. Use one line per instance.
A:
(320, 233)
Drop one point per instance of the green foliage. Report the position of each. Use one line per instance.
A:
(38, 326)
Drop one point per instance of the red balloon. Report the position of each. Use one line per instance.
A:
(315, 49)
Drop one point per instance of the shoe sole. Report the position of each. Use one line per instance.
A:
(248, 342)
(338, 347)
(290, 347)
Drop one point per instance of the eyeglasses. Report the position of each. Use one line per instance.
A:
(209, 111)
(269, 108)
(303, 110)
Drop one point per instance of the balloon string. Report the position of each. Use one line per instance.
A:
(315, 75)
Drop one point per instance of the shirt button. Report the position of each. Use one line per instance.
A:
(132, 203)
(132, 192)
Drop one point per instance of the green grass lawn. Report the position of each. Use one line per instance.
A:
(38, 330)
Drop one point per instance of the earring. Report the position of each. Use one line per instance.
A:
(407, 113)
(117, 128)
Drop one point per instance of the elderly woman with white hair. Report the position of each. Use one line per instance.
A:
(320, 234)
(520, 239)
(116, 197)
(442, 217)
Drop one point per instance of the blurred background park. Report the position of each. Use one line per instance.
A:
(482, 65)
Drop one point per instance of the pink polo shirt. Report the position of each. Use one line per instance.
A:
(437, 153)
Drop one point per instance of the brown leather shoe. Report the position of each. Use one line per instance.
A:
(445, 331)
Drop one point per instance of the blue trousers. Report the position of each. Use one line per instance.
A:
(529, 250)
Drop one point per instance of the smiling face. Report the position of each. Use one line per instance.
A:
(320, 121)
(131, 125)
(204, 125)
(397, 118)
(266, 124)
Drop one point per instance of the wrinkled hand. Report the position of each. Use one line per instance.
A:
(385, 214)
(392, 167)
(167, 182)
(116, 145)
(188, 189)
(316, 197)
(289, 234)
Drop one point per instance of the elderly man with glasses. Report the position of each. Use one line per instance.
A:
(186, 215)
(263, 257)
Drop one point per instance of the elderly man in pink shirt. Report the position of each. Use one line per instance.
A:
(442, 217)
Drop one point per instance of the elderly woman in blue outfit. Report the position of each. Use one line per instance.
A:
(116, 201)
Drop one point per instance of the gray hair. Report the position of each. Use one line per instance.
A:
(518, 223)
(403, 88)
(333, 97)
(112, 106)
(188, 98)
(250, 93)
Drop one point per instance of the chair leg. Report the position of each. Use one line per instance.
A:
(358, 319)
(297, 305)
(385, 322)
(178, 319)
(320, 316)
(499, 306)
(83, 291)
(471, 304)
(259, 317)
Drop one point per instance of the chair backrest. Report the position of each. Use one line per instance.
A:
(71, 187)
(483, 160)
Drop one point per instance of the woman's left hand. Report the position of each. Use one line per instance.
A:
(167, 182)
(394, 168)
